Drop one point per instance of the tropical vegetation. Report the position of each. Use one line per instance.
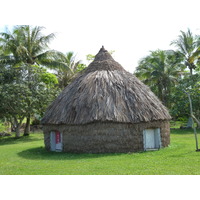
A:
(24, 58)
(70, 67)
(160, 70)
(31, 73)
(23, 47)
(188, 46)
(166, 73)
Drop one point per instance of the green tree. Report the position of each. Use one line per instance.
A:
(18, 99)
(188, 47)
(70, 67)
(180, 104)
(13, 107)
(26, 46)
(160, 71)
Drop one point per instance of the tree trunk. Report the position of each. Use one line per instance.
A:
(27, 127)
(18, 126)
(12, 126)
(17, 131)
(160, 93)
(189, 123)
(193, 117)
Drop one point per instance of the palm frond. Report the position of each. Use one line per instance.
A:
(51, 64)
(8, 60)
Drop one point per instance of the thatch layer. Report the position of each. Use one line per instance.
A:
(105, 92)
(108, 137)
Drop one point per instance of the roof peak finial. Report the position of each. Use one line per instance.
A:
(102, 48)
(103, 54)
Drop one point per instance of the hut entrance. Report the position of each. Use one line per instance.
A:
(56, 141)
(151, 138)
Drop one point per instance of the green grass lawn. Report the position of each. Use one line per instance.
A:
(27, 155)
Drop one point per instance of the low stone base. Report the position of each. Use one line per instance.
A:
(105, 137)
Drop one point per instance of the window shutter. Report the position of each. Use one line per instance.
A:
(158, 138)
(53, 141)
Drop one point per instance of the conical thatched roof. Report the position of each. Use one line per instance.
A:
(105, 92)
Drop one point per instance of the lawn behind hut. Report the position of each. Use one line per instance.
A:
(27, 155)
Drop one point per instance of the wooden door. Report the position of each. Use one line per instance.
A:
(151, 139)
(56, 141)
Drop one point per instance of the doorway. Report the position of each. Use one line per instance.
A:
(56, 141)
(151, 138)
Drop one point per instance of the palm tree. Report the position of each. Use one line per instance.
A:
(69, 69)
(159, 71)
(189, 47)
(26, 45)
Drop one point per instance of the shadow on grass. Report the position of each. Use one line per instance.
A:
(184, 154)
(40, 153)
(13, 140)
(183, 131)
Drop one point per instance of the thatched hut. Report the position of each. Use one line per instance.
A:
(106, 109)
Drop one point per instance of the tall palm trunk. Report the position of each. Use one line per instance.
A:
(160, 92)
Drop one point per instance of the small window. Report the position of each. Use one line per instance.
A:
(151, 138)
(56, 141)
